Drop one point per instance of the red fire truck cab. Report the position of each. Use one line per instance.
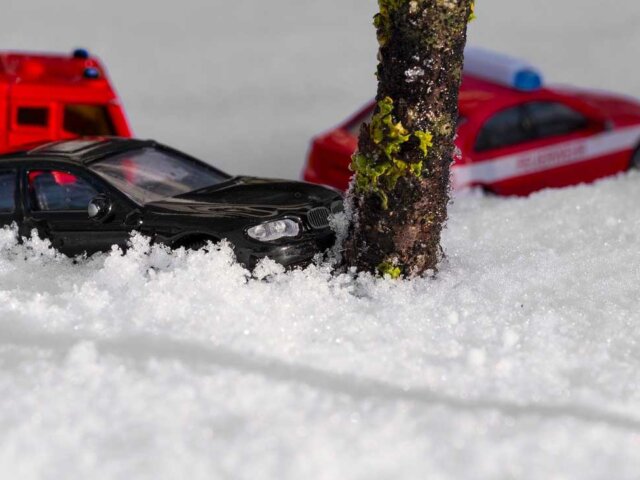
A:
(56, 97)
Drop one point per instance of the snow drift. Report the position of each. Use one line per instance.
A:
(519, 360)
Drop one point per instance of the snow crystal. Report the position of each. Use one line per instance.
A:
(412, 74)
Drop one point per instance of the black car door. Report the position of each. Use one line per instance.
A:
(56, 202)
(8, 195)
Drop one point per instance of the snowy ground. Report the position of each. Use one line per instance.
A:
(521, 360)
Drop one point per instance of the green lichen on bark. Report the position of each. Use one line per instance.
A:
(401, 186)
(426, 141)
(388, 269)
(379, 172)
(382, 21)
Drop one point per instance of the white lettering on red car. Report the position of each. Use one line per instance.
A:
(547, 158)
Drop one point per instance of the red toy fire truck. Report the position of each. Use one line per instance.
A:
(516, 135)
(56, 97)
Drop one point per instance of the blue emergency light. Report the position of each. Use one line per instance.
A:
(91, 73)
(81, 53)
(502, 69)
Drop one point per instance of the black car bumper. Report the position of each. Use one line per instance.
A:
(300, 253)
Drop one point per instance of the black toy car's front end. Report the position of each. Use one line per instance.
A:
(286, 221)
(312, 234)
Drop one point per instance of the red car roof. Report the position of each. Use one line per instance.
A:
(475, 93)
(40, 69)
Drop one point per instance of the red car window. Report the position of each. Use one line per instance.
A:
(551, 119)
(505, 128)
(87, 120)
(32, 116)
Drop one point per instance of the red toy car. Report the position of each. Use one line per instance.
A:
(516, 136)
(56, 97)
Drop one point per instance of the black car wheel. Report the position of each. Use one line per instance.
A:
(199, 245)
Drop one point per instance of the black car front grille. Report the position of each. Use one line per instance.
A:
(318, 217)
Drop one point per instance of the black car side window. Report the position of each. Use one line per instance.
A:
(550, 119)
(504, 129)
(55, 190)
(7, 191)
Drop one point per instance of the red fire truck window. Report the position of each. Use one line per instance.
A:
(87, 120)
(33, 116)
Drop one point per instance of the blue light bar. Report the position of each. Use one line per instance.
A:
(91, 73)
(81, 53)
(527, 81)
(502, 69)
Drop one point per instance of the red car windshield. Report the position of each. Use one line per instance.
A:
(149, 175)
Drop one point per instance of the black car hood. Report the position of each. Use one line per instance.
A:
(248, 197)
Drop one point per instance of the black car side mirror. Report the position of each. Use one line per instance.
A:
(100, 208)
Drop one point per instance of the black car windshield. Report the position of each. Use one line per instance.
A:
(148, 175)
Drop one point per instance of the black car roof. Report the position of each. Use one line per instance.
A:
(81, 151)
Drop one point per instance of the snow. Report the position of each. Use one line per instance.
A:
(413, 74)
(520, 360)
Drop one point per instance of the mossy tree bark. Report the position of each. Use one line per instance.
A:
(401, 187)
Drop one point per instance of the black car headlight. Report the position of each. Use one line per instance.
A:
(269, 231)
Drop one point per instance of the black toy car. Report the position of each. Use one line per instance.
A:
(89, 194)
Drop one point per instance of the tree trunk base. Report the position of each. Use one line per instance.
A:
(402, 228)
